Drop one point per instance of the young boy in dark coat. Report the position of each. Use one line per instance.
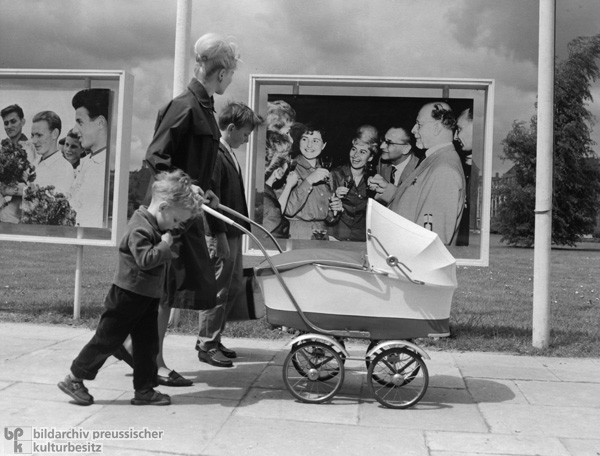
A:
(236, 123)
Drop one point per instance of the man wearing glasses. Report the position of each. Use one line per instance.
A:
(399, 160)
(433, 195)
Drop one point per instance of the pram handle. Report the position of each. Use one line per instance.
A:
(311, 325)
(248, 220)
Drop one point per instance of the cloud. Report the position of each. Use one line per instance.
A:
(509, 27)
(75, 33)
(383, 38)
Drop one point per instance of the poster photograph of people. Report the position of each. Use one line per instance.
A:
(325, 156)
(54, 164)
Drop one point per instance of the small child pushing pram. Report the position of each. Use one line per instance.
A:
(132, 301)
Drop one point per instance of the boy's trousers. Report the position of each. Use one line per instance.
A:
(230, 286)
(126, 313)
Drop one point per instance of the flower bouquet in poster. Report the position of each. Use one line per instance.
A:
(15, 168)
(44, 206)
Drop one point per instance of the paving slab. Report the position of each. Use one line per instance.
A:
(441, 409)
(582, 447)
(485, 390)
(266, 437)
(490, 365)
(563, 422)
(280, 405)
(186, 427)
(473, 443)
(567, 394)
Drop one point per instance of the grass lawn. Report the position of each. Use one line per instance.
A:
(491, 311)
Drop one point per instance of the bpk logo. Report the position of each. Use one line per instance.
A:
(17, 440)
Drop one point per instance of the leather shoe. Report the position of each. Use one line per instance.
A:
(227, 352)
(214, 357)
(173, 379)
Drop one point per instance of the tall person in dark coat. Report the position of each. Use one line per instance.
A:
(187, 137)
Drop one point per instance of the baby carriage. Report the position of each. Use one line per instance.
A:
(400, 290)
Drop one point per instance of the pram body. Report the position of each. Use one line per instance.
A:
(342, 290)
(399, 290)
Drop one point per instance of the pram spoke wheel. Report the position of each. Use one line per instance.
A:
(313, 372)
(300, 364)
(398, 378)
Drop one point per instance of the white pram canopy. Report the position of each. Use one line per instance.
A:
(417, 248)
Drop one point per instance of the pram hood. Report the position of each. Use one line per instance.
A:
(419, 249)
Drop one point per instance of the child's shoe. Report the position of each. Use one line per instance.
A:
(77, 390)
(151, 397)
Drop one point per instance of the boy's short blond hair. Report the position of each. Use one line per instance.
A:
(175, 188)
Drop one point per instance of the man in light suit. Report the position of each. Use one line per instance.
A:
(433, 195)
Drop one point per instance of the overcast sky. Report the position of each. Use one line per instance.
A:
(488, 39)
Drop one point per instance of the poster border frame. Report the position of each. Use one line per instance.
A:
(257, 82)
(124, 103)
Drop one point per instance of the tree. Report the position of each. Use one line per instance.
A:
(576, 194)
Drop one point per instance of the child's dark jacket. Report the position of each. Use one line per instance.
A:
(143, 256)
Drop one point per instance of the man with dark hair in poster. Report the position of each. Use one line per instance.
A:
(433, 195)
(399, 159)
(92, 126)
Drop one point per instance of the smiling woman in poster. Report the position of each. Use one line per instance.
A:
(308, 204)
(349, 182)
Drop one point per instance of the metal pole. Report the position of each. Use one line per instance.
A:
(543, 193)
(77, 294)
(183, 28)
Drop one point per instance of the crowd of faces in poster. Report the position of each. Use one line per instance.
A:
(54, 162)
(325, 156)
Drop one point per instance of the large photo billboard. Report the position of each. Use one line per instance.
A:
(60, 163)
(329, 144)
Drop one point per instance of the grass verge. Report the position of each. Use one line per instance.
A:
(491, 309)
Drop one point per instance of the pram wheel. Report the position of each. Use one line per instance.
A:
(313, 372)
(398, 378)
(315, 351)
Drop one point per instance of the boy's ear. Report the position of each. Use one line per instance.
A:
(230, 127)
(163, 205)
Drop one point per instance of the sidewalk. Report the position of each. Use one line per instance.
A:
(476, 404)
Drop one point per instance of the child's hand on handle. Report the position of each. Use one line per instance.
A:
(168, 238)
(211, 200)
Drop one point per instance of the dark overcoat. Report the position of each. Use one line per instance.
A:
(186, 136)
